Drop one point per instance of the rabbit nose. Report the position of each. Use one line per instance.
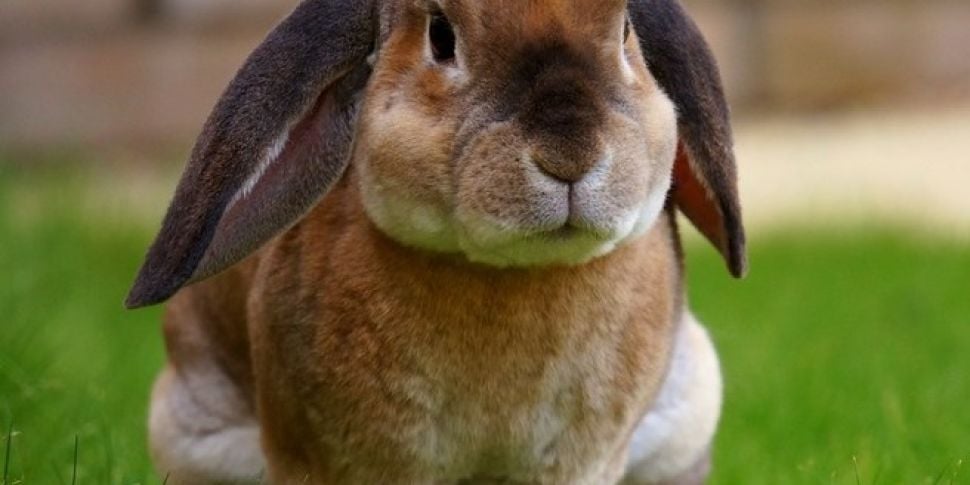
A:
(569, 169)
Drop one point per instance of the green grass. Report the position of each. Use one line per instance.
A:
(73, 363)
(845, 353)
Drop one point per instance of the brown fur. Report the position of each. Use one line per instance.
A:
(389, 342)
(387, 338)
(489, 294)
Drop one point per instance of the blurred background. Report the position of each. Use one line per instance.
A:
(844, 351)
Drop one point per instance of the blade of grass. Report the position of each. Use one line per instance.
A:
(855, 464)
(6, 454)
(74, 472)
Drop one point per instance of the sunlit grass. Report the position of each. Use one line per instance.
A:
(844, 351)
(844, 354)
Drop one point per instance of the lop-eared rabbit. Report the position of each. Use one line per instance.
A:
(433, 242)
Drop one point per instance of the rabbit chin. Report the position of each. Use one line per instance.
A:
(490, 242)
(484, 239)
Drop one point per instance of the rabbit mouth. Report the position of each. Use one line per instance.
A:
(571, 231)
(571, 243)
(584, 232)
(550, 223)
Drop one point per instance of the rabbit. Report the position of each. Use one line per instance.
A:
(434, 242)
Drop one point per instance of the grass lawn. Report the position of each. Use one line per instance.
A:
(845, 353)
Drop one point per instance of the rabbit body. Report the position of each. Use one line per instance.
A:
(396, 366)
(434, 242)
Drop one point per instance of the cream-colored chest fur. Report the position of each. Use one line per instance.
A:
(441, 370)
(524, 395)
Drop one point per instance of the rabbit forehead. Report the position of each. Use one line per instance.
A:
(531, 10)
(580, 22)
(522, 17)
(500, 33)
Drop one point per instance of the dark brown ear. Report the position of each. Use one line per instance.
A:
(274, 144)
(705, 175)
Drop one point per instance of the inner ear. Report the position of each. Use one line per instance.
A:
(292, 177)
(697, 202)
(703, 205)
(202, 235)
(276, 141)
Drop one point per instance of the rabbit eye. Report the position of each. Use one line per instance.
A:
(442, 38)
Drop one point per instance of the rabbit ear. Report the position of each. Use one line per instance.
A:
(274, 144)
(705, 176)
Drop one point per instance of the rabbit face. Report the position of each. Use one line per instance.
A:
(514, 132)
(517, 133)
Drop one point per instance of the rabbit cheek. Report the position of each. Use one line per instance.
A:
(654, 159)
(403, 160)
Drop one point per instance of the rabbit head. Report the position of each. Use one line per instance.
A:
(511, 132)
(514, 132)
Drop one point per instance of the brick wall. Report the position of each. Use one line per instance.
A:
(147, 71)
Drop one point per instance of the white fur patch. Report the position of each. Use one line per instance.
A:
(625, 68)
(651, 210)
(538, 250)
(597, 178)
(271, 155)
(194, 443)
(679, 429)
(410, 222)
